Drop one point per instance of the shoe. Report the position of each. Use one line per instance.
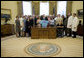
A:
(17, 36)
(60, 36)
(68, 36)
(73, 37)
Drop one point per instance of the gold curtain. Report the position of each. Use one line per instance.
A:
(69, 7)
(19, 7)
(36, 7)
(51, 5)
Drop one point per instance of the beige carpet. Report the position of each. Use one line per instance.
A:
(14, 47)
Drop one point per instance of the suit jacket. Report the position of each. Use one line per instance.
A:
(31, 22)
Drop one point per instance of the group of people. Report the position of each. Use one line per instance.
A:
(64, 25)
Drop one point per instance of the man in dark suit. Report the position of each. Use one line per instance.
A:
(31, 21)
(31, 24)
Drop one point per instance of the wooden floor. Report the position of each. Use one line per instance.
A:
(14, 47)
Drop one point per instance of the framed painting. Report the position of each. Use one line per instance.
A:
(80, 13)
(5, 13)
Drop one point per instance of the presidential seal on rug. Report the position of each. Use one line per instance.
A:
(42, 49)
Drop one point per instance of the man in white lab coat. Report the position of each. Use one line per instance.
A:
(75, 23)
(69, 25)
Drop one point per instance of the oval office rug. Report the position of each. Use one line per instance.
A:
(42, 49)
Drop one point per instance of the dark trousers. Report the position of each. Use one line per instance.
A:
(60, 32)
(29, 31)
(51, 25)
(66, 32)
(65, 29)
(74, 34)
(18, 34)
(69, 31)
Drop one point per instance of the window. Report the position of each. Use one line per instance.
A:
(61, 7)
(27, 8)
(44, 8)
